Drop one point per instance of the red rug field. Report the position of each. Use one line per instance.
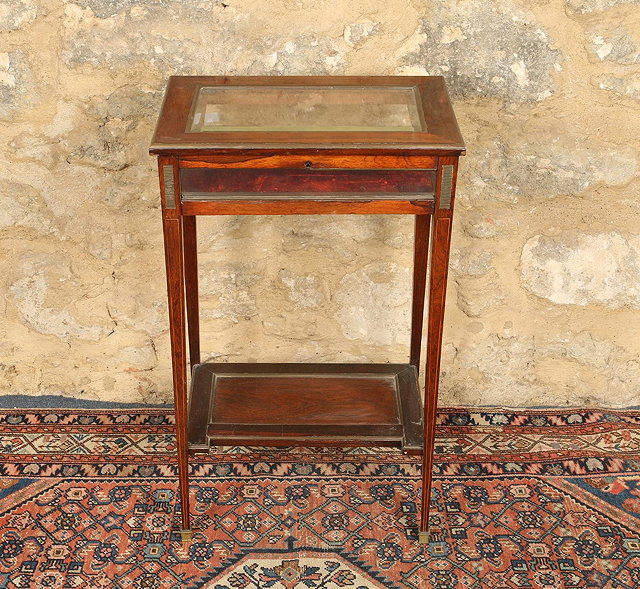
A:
(535, 499)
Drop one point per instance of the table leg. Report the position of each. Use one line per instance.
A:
(437, 291)
(420, 264)
(191, 287)
(175, 286)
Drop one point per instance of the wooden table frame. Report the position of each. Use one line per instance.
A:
(433, 220)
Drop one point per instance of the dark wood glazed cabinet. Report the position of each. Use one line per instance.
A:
(306, 145)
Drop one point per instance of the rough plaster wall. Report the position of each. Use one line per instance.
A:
(544, 297)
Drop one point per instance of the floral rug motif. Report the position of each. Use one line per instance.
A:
(290, 573)
(530, 499)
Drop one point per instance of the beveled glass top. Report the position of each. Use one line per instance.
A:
(305, 108)
(342, 114)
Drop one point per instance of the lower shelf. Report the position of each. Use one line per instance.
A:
(305, 405)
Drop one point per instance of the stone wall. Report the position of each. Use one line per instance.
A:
(544, 290)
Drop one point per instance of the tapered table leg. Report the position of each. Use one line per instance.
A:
(441, 242)
(175, 286)
(420, 264)
(191, 287)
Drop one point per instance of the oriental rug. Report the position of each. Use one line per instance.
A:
(522, 499)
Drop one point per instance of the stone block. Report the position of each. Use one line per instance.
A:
(22, 206)
(227, 290)
(486, 50)
(356, 33)
(481, 229)
(616, 368)
(52, 299)
(373, 304)
(583, 269)
(470, 262)
(497, 367)
(108, 8)
(628, 86)
(305, 291)
(289, 327)
(306, 55)
(34, 148)
(17, 83)
(125, 34)
(16, 14)
(617, 45)
(516, 168)
(595, 6)
(138, 358)
(105, 147)
(477, 296)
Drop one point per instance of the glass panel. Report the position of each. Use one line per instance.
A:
(321, 184)
(305, 108)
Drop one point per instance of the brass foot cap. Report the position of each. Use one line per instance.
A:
(423, 538)
(186, 535)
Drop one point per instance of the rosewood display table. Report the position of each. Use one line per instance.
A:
(306, 146)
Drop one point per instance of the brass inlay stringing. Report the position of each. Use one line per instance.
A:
(446, 187)
(169, 187)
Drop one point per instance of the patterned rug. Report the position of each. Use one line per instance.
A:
(532, 499)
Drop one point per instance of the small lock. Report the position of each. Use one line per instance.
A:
(307, 164)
